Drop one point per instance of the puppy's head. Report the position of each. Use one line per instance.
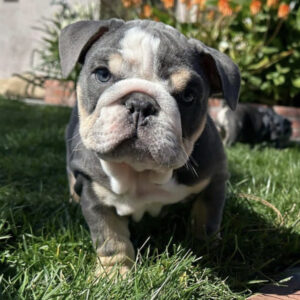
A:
(280, 128)
(143, 89)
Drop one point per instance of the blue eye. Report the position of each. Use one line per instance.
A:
(102, 74)
(188, 96)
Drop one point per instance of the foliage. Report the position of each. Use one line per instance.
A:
(46, 250)
(47, 54)
(263, 38)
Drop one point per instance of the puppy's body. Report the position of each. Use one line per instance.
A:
(139, 137)
(144, 194)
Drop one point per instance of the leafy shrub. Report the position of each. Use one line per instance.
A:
(48, 55)
(262, 37)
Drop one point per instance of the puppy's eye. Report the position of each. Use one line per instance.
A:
(188, 96)
(102, 74)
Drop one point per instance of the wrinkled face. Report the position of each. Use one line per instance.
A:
(142, 98)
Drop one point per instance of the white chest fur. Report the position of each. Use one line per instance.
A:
(134, 193)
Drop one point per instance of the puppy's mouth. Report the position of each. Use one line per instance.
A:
(127, 124)
(132, 152)
(146, 147)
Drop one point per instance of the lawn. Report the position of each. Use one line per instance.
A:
(45, 247)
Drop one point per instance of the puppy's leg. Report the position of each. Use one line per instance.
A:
(110, 233)
(72, 182)
(232, 132)
(207, 210)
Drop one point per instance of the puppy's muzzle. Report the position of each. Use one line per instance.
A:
(141, 108)
(136, 120)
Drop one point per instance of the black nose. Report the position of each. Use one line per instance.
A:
(141, 106)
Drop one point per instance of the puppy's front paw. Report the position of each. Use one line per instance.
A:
(201, 227)
(198, 220)
(113, 271)
(115, 256)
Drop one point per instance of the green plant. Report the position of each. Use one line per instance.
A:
(48, 55)
(264, 43)
(265, 48)
(260, 37)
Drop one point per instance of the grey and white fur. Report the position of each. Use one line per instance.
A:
(139, 136)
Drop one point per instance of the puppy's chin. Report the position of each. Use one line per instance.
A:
(143, 156)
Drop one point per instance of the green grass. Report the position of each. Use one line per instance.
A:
(45, 247)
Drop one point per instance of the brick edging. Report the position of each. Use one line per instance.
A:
(60, 93)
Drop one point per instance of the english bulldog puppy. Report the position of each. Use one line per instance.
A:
(139, 137)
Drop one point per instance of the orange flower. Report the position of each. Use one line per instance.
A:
(210, 16)
(188, 3)
(147, 11)
(224, 8)
(283, 10)
(137, 2)
(271, 3)
(255, 7)
(168, 3)
(128, 3)
(200, 3)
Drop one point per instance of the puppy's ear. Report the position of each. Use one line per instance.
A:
(223, 73)
(76, 39)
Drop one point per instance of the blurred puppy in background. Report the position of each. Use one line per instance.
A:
(251, 124)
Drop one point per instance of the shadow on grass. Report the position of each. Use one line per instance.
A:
(33, 193)
(254, 247)
(252, 250)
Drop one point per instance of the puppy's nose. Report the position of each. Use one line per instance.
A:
(141, 106)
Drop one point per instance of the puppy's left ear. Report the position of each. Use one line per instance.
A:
(76, 39)
(223, 73)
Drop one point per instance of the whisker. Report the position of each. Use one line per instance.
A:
(73, 137)
(189, 162)
(76, 148)
(191, 167)
(193, 161)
